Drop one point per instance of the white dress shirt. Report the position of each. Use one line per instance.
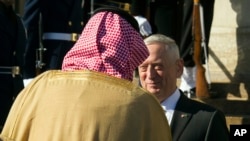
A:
(144, 25)
(169, 105)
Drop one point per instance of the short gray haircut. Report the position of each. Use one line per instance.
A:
(169, 42)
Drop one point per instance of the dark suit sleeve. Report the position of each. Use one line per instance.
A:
(21, 40)
(31, 22)
(217, 129)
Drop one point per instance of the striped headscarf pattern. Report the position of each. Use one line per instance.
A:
(108, 44)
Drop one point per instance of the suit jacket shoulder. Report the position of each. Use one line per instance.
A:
(196, 121)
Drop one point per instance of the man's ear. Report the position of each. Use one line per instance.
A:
(179, 67)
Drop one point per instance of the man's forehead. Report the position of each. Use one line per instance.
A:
(153, 60)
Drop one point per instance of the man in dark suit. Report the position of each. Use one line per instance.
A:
(189, 120)
(54, 24)
(12, 45)
(174, 18)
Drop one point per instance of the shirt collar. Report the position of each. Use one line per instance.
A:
(170, 102)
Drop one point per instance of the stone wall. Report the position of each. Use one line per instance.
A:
(229, 59)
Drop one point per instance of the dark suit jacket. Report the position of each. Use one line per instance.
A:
(61, 16)
(196, 121)
(12, 45)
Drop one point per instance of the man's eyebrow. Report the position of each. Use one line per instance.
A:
(156, 63)
(141, 65)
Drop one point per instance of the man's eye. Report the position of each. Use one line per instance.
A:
(143, 68)
(158, 67)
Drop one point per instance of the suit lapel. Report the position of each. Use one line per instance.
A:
(181, 117)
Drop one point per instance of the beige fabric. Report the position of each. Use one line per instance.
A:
(85, 106)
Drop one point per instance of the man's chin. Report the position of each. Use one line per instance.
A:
(154, 91)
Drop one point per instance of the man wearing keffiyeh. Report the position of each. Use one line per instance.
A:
(92, 98)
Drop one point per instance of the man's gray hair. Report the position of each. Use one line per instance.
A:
(169, 42)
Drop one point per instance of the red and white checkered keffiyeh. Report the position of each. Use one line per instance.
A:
(108, 44)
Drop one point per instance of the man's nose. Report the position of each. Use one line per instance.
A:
(151, 73)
